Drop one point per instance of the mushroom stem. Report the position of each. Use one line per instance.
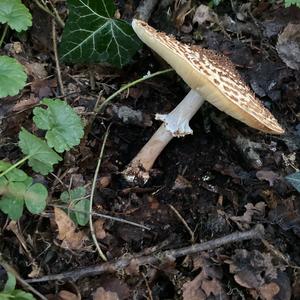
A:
(176, 124)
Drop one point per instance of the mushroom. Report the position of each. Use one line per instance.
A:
(212, 77)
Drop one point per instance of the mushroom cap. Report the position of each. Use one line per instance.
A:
(212, 75)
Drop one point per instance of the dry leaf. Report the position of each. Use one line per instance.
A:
(66, 295)
(245, 220)
(269, 176)
(192, 289)
(204, 14)
(101, 294)
(71, 239)
(269, 290)
(99, 229)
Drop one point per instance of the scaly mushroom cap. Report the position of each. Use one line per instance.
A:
(212, 75)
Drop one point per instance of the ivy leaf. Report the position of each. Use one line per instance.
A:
(12, 76)
(15, 14)
(64, 127)
(75, 200)
(41, 156)
(294, 180)
(92, 34)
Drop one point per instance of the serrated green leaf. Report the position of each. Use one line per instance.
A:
(15, 14)
(75, 200)
(41, 156)
(288, 3)
(294, 180)
(35, 198)
(92, 35)
(64, 127)
(12, 76)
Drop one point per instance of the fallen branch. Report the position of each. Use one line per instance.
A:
(111, 267)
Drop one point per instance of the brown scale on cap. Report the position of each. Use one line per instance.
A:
(212, 75)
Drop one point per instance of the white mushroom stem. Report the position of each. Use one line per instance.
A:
(176, 124)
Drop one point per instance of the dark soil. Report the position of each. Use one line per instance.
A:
(218, 178)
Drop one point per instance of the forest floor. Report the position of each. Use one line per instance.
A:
(224, 178)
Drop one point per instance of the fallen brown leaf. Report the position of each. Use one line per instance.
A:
(99, 229)
(71, 239)
(66, 295)
(101, 294)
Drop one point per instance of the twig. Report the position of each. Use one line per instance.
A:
(4, 34)
(61, 86)
(99, 108)
(92, 195)
(256, 233)
(145, 9)
(106, 217)
(183, 222)
(147, 285)
(54, 14)
(22, 282)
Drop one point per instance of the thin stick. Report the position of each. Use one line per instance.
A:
(92, 195)
(183, 222)
(15, 165)
(61, 86)
(110, 267)
(4, 34)
(22, 282)
(106, 217)
(54, 15)
(99, 108)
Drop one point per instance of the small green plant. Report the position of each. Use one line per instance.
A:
(11, 293)
(93, 34)
(15, 15)
(64, 129)
(78, 205)
(17, 189)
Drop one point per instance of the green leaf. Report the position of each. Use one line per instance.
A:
(294, 180)
(64, 127)
(288, 3)
(15, 14)
(13, 175)
(10, 283)
(12, 201)
(75, 200)
(12, 76)
(41, 156)
(21, 295)
(16, 187)
(92, 34)
(35, 198)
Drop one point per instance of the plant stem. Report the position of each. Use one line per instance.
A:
(92, 195)
(15, 165)
(4, 34)
(127, 86)
(54, 14)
